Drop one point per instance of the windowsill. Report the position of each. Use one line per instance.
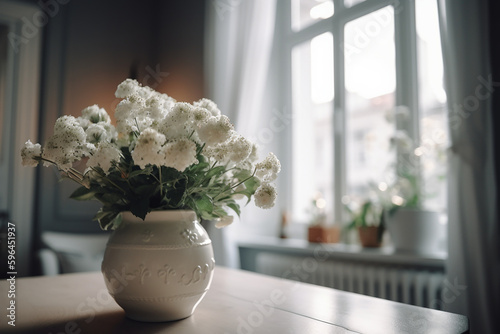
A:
(383, 255)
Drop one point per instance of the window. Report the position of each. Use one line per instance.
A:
(360, 72)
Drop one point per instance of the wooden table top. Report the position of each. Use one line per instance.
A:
(237, 302)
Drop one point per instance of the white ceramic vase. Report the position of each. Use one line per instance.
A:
(415, 231)
(159, 269)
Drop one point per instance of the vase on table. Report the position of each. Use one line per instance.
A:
(159, 269)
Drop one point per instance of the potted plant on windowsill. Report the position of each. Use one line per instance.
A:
(319, 230)
(411, 226)
(369, 220)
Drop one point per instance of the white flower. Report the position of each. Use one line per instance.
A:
(129, 112)
(249, 162)
(62, 156)
(224, 221)
(168, 101)
(239, 149)
(156, 107)
(69, 131)
(111, 133)
(126, 88)
(265, 195)
(86, 150)
(268, 169)
(84, 123)
(145, 92)
(148, 148)
(218, 153)
(29, 152)
(178, 122)
(65, 146)
(95, 114)
(235, 151)
(181, 113)
(104, 156)
(96, 133)
(200, 115)
(174, 132)
(132, 87)
(209, 105)
(215, 130)
(180, 154)
(153, 129)
(254, 154)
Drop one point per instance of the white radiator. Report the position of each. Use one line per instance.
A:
(411, 286)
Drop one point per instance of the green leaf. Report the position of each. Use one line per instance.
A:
(208, 216)
(204, 204)
(83, 194)
(168, 173)
(140, 207)
(215, 171)
(351, 225)
(109, 198)
(242, 174)
(219, 212)
(108, 219)
(145, 171)
(252, 184)
(176, 192)
(235, 207)
(198, 167)
(146, 190)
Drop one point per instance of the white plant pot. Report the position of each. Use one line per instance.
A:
(161, 268)
(415, 231)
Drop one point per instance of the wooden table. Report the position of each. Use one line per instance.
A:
(237, 302)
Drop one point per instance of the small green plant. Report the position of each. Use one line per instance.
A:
(368, 214)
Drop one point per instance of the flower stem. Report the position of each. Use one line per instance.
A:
(248, 178)
(161, 183)
(136, 123)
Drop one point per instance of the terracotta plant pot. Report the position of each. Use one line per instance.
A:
(323, 234)
(369, 236)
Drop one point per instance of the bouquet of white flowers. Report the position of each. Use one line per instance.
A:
(161, 155)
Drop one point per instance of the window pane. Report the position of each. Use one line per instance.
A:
(432, 102)
(312, 139)
(370, 82)
(307, 12)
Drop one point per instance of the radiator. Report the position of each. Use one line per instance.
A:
(418, 287)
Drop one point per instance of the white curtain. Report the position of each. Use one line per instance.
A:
(473, 282)
(239, 39)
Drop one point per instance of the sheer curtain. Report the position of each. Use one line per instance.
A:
(239, 39)
(472, 287)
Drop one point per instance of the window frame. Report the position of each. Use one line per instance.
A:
(406, 94)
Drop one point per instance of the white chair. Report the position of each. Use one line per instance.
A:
(70, 252)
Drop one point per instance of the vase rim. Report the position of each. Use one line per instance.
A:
(162, 216)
